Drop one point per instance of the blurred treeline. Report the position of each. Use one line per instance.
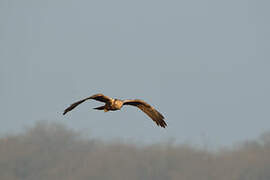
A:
(50, 151)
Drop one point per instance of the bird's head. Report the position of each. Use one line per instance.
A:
(118, 103)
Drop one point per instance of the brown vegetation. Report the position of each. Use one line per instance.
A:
(51, 151)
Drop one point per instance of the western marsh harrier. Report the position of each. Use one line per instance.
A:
(116, 104)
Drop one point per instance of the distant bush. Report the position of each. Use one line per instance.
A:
(52, 151)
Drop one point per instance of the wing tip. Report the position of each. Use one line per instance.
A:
(65, 112)
(162, 124)
(160, 121)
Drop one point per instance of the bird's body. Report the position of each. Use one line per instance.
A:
(116, 104)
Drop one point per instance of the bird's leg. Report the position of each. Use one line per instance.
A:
(106, 110)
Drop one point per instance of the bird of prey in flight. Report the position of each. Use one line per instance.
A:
(116, 104)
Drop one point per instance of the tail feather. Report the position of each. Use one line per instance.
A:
(99, 108)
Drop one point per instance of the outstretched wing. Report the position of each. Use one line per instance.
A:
(98, 97)
(149, 110)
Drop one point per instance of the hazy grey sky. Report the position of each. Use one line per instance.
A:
(203, 63)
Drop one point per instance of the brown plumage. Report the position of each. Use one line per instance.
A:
(116, 104)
